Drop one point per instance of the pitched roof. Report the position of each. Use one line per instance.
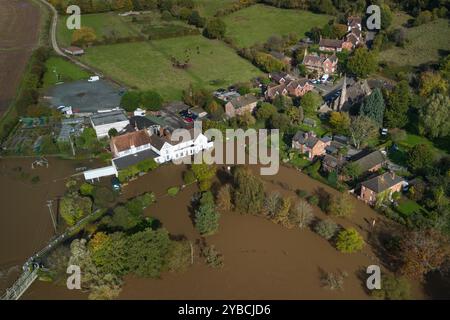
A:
(130, 160)
(142, 122)
(331, 43)
(370, 160)
(382, 182)
(333, 162)
(243, 101)
(305, 138)
(132, 139)
(108, 117)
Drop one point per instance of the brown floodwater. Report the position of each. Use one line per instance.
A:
(25, 223)
(262, 260)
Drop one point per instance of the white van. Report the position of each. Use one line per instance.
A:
(324, 78)
(93, 78)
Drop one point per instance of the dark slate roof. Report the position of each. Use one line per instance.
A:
(303, 138)
(371, 160)
(132, 159)
(382, 182)
(331, 43)
(142, 122)
(243, 101)
(333, 162)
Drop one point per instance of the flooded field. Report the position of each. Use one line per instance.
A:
(25, 223)
(19, 27)
(262, 260)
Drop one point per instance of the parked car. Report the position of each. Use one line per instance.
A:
(93, 79)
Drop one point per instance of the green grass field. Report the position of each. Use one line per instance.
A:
(147, 65)
(257, 23)
(61, 70)
(426, 42)
(103, 23)
(208, 8)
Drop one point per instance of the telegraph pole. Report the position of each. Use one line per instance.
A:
(49, 205)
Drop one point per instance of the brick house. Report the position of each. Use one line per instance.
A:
(309, 144)
(293, 88)
(381, 187)
(320, 63)
(240, 105)
(332, 45)
(130, 143)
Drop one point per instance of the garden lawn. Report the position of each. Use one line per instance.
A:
(147, 65)
(425, 44)
(104, 24)
(408, 207)
(61, 70)
(257, 23)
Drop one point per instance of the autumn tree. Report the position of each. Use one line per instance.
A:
(85, 36)
(204, 174)
(432, 82)
(341, 206)
(339, 122)
(224, 198)
(349, 241)
(422, 251)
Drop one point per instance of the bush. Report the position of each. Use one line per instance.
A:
(313, 200)
(189, 177)
(103, 196)
(86, 189)
(206, 216)
(179, 256)
(349, 241)
(173, 191)
(224, 198)
(393, 288)
(301, 193)
(301, 215)
(326, 229)
(212, 257)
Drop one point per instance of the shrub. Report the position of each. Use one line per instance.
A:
(179, 256)
(189, 177)
(349, 241)
(103, 196)
(334, 281)
(301, 215)
(326, 229)
(212, 257)
(86, 189)
(301, 193)
(393, 288)
(272, 204)
(341, 206)
(224, 198)
(206, 216)
(313, 200)
(173, 191)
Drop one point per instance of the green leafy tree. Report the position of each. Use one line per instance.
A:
(373, 107)
(74, 207)
(109, 252)
(151, 100)
(310, 102)
(349, 241)
(393, 288)
(204, 174)
(432, 82)
(265, 111)
(339, 122)
(435, 116)
(206, 216)
(130, 101)
(147, 251)
(113, 132)
(362, 129)
(352, 170)
(420, 158)
(362, 63)
(396, 114)
(249, 192)
(215, 29)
